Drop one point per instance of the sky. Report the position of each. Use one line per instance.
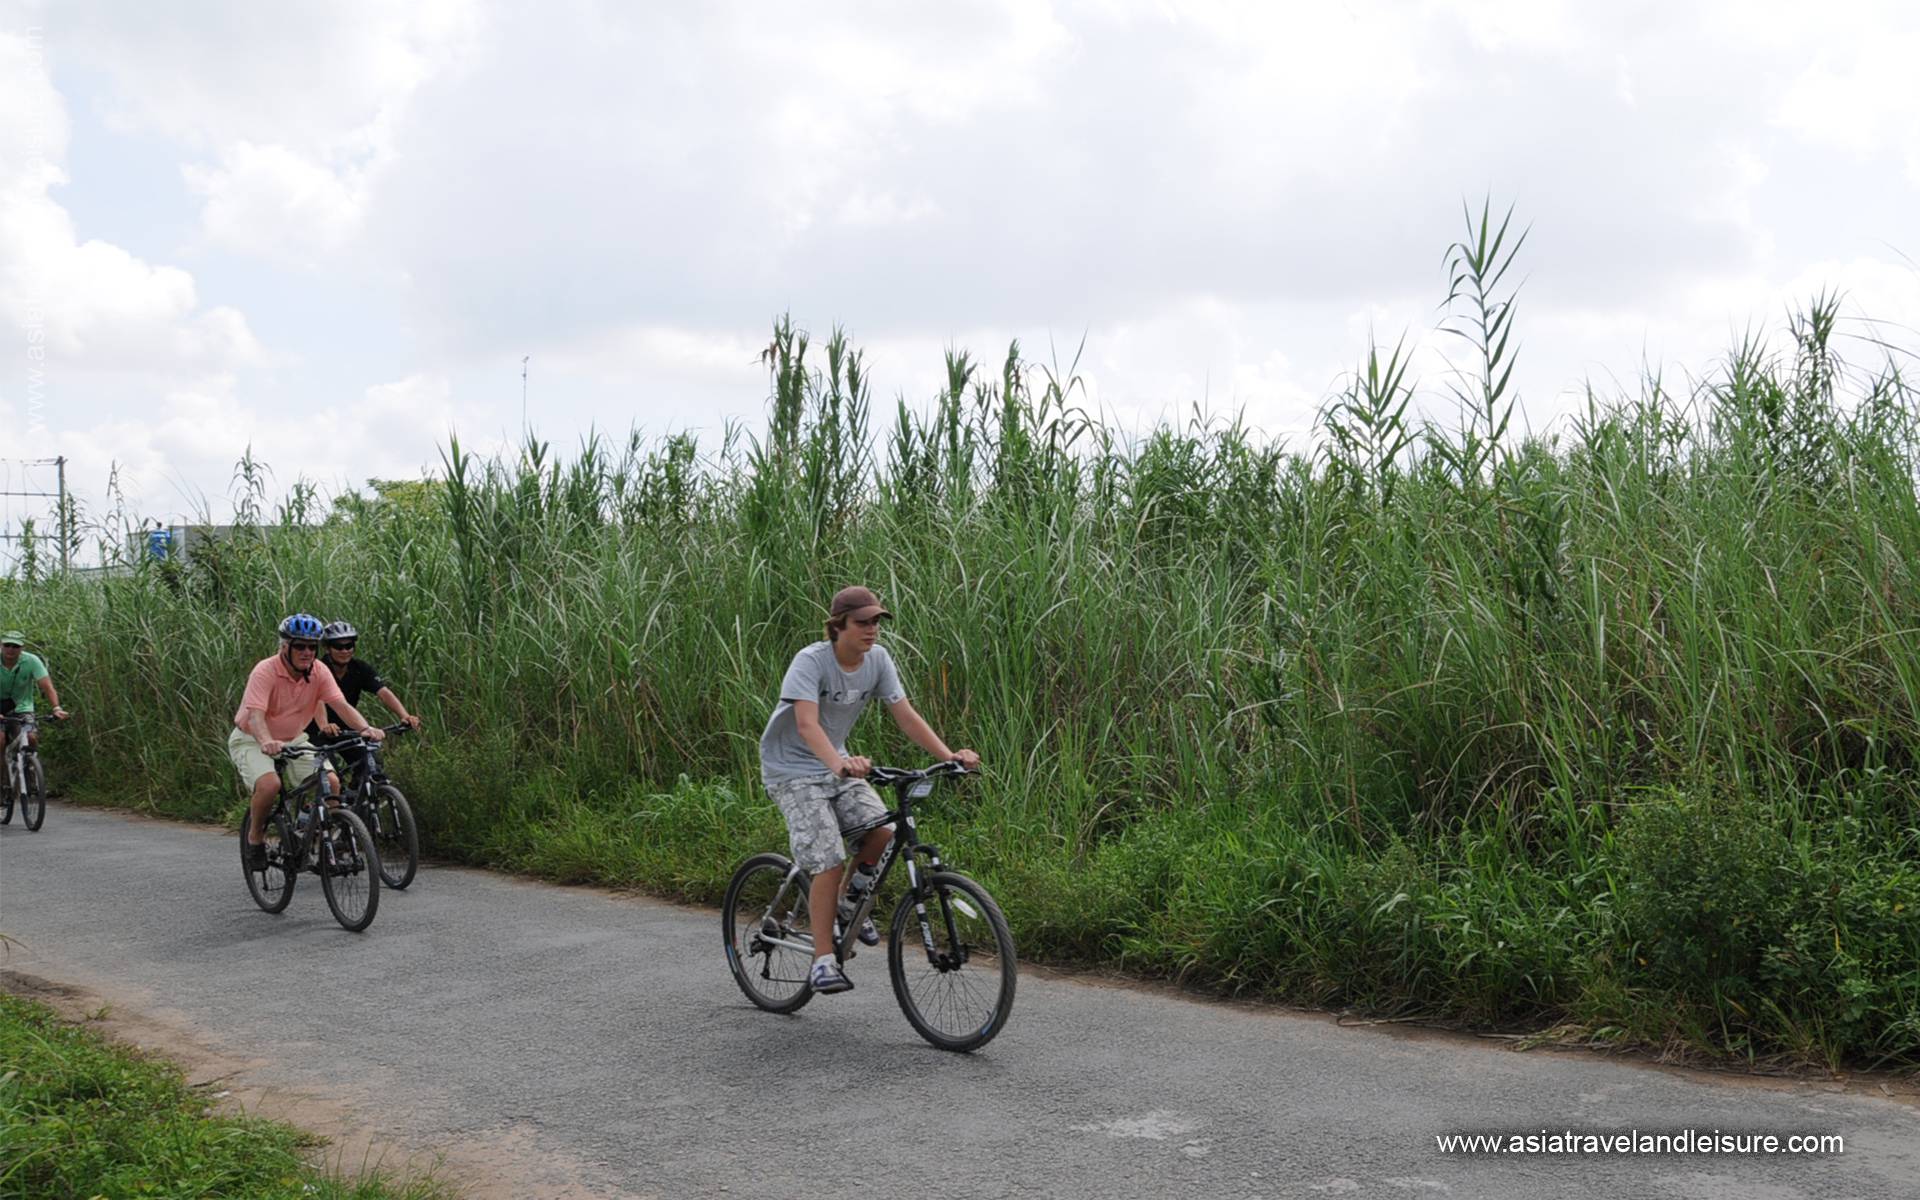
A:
(335, 232)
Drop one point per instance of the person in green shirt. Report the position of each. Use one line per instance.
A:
(21, 674)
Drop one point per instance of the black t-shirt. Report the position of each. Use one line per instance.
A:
(359, 679)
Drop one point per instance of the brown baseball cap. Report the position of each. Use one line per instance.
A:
(857, 602)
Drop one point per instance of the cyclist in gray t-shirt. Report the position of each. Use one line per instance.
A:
(820, 788)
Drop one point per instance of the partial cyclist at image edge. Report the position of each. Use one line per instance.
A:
(821, 790)
(283, 694)
(22, 673)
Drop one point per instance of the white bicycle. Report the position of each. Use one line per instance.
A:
(25, 781)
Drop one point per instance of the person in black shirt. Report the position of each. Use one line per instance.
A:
(356, 677)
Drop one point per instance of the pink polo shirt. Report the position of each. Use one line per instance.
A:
(288, 700)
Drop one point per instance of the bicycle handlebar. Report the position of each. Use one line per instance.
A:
(894, 776)
(357, 741)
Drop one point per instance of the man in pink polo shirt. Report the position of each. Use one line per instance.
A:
(283, 693)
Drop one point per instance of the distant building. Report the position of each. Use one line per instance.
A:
(177, 541)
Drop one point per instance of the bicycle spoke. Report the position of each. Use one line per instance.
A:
(349, 870)
(272, 887)
(957, 991)
(759, 905)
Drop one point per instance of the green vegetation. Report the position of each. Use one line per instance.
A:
(82, 1118)
(1612, 731)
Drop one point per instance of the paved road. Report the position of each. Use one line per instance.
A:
(594, 1044)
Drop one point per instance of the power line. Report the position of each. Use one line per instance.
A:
(62, 509)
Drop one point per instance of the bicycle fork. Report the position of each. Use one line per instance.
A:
(17, 750)
(17, 772)
(956, 952)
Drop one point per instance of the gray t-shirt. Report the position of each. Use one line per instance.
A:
(815, 675)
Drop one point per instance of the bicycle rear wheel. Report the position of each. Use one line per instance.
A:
(952, 962)
(394, 836)
(349, 870)
(273, 887)
(764, 919)
(33, 805)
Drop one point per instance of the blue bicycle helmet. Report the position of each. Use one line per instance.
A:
(302, 627)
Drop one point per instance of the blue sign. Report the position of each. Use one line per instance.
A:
(159, 543)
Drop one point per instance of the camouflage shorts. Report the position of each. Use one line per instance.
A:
(818, 809)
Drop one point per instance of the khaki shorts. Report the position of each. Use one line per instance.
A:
(819, 810)
(252, 762)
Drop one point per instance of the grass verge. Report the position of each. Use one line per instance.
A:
(82, 1117)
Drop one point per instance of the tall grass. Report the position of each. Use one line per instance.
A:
(1612, 730)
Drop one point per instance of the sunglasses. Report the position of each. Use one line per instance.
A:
(309, 647)
(341, 645)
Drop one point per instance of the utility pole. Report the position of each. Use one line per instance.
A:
(28, 492)
(523, 391)
(63, 525)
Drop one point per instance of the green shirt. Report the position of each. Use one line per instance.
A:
(21, 683)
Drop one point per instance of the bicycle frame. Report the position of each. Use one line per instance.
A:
(361, 759)
(365, 765)
(17, 748)
(905, 841)
(312, 793)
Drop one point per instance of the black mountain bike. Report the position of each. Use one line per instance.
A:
(308, 830)
(949, 951)
(380, 806)
(24, 781)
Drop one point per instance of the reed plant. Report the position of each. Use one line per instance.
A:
(1608, 730)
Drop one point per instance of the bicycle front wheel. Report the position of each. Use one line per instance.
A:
(769, 933)
(33, 805)
(395, 836)
(349, 870)
(952, 961)
(272, 888)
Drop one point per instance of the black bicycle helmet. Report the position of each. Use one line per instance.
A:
(304, 627)
(339, 631)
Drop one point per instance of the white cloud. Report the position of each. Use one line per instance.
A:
(269, 201)
(320, 78)
(1224, 197)
(391, 431)
(1861, 97)
(101, 321)
(173, 457)
(1531, 25)
(660, 351)
(885, 208)
(101, 308)
(297, 106)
